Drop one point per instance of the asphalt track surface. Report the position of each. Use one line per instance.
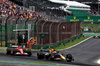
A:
(85, 54)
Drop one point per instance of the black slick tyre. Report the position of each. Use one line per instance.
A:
(8, 51)
(38, 56)
(13, 51)
(69, 57)
(50, 57)
(29, 52)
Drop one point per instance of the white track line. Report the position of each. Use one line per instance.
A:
(98, 61)
(77, 44)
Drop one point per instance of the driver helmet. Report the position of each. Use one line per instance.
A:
(53, 49)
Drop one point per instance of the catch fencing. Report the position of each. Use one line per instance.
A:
(15, 27)
(44, 32)
(51, 32)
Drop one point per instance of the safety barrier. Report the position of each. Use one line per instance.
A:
(49, 46)
(52, 32)
(54, 45)
(44, 32)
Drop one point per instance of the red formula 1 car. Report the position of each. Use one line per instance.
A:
(96, 36)
(18, 50)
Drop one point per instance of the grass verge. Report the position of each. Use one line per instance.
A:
(71, 43)
(67, 45)
(2, 50)
(35, 63)
(91, 26)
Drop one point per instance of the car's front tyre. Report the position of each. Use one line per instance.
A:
(29, 52)
(69, 58)
(8, 51)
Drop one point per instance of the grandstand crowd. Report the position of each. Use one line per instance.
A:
(8, 8)
(94, 12)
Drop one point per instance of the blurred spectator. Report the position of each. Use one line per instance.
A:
(23, 37)
(8, 8)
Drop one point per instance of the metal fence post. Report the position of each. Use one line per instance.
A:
(35, 28)
(16, 30)
(26, 21)
(58, 32)
(75, 29)
(42, 31)
(50, 32)
(26, 28)
(6, 32)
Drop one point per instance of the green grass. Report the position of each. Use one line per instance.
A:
(34, 49)
(67, 45)
(71, 43)
(30, 62)
(37, 63)
(2, 50)
(91, 26)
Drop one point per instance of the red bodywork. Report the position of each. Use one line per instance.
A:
(20, 49)
(96, 36)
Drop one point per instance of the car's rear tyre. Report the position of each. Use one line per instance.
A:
(50, 57)
(47, 57)
(8, 51)
(29, 52)
(40, 55)
(68, 60)
(13, 51)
